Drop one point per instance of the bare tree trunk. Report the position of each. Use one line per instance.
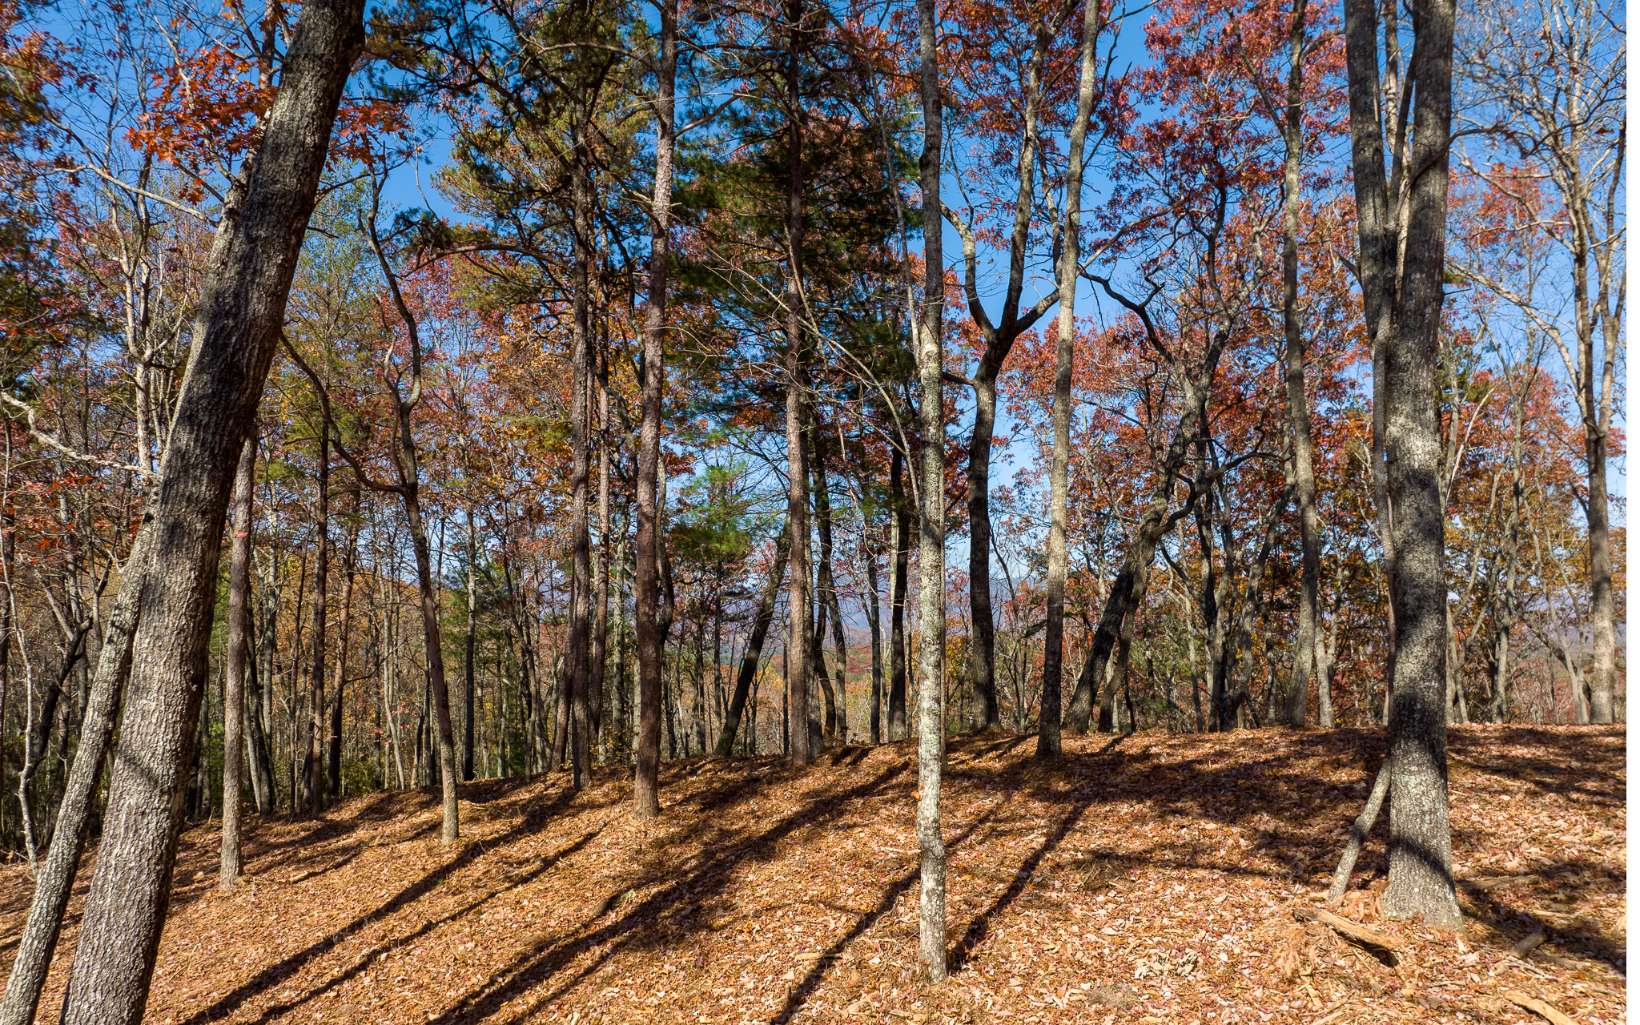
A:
(469, 655)
(313, 761)
(1305, 645)
(1048, 723)
(931, 547)
(753, 655)
(828, 581)
(897, 669)
(982, 657)
(241, 309)
(797, 502)
(650, 636)
(238, 654)
(333, 758)
(874, 621)
(580, 418)
(601, 579)
(1420, 835)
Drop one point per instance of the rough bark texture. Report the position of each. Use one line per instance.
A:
(1420, 880)
(1305, 660)
(580, 601)
(646, 578)
(242, 305)
(931, 541)
(238, 655)
(1053, 653)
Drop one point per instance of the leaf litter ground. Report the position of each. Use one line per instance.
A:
(1151, 878)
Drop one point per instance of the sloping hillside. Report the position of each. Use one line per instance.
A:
(1147, 880)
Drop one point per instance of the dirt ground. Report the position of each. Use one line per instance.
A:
(1148, 879)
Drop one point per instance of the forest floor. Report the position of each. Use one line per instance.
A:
(1147, 879)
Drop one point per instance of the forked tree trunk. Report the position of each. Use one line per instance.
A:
(56, 874)
(1420, 875)
(241, 305)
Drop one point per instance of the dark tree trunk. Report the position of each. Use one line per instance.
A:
(982, 659)
(580, 602)
(897, 668)
(753, 655)
(241, 308)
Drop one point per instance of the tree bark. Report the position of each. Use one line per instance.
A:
(468, 668)
(931, 545)
(238, 654)
(797, 501)
(1420, 835)
(313, 768)
(897, 668)
(338, 680)
(1306, 644)
(580, 419)
(650, 638)
(242, 305)
(1048, 723)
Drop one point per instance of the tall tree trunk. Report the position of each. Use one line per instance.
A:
(982, 657)
(1420, 871)
(650, 638)
(828, 581)
(241, 307)
(797, 502)
(874, 621)
(238, 654)
(753, 655)
(1048, 724)
(931, 547)
(1306, 644)
(897, 668)
(468, 668)
(338, 680)
(580, 601)
(601, 580)
(313, 761)
(1602, 615)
